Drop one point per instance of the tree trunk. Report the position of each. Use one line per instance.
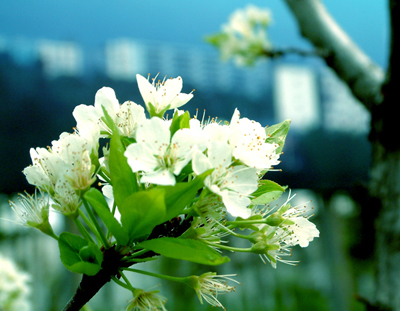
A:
(385, 176)
(385, 185)
(381, 98)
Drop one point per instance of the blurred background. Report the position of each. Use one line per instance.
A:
(55, 55)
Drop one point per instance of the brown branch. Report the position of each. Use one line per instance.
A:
(350, 63)
(112, 262)
(274, 53)
(385, 116)
(90, 285)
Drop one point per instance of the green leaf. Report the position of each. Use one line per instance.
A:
(277, 134)
(153, 111)
(267, 186)
(124, 181)
(185, 249)
(217, 39)
(243, 226)
(142, 211)
(98, 202)
(78, 255)
(179, 122)
(181, 195)
(267, 192)
(91, 253)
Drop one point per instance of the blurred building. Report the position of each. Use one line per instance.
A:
(60, 58)
(296, 96)
(124, 58)
(309, 94)
(342, 112)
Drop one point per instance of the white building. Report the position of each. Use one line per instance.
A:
(124, 59)
(198, 66)
(342, 111)
(296, 96)
(60, 58)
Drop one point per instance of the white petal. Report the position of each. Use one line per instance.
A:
(236, 204)
(200, 162)
(170, 90)
(83, 113)
(106, 97)
(235, 118)
(90, 131)
(216, 131)
(195, 124)
(36, 176)
(128, 117)
(147, 90)
(180, 100)
(219, 154)
(243, 180)
(159, 177)
(141, 158)
(304, 230)
(108, 191)
(153, 131)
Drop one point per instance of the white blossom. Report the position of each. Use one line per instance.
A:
(162, 95)
(66, 200)
(45, 169)
(212, 130)
(146, 301)
(233, 184)
(32, 210)
(75, 151)
(247, 140)
(158, 156)
(245, 36)
(209, 285)
(126, 116)
(270, 244)
(14, 288)
(302, 231)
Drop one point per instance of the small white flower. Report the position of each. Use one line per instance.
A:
(258, 15)
(162, 95)
(89, 131)
(247, 140)
(104, 97)
(209, 285)
(233, 184)
(65, 198)
(213, 131)
(126, 116)
(75, 151)
(146, 301)
(14, 289)
(244, 37)
(158, 156)
(45, 169)
(270, 244)
(302, 231)
(32, 210)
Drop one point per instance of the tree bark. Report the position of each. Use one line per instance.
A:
(380, 95)
(350, 63)
(90, 285)
(385, 175)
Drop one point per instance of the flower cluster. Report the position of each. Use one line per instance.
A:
(244, 37)
(179, 185)
(287, 227)
(13, 287)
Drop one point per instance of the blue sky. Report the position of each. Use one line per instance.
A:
(92, 22)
